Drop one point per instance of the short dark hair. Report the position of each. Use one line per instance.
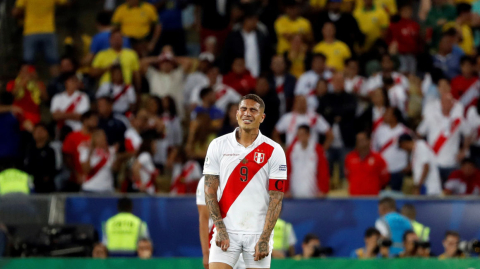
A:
(108, 99)
(463, 8)
(125, 204)
(309, 237)
(410, 211)
(467, 161)
(466, 59)
(389, 202)
(404, 137)
(205, 91)
(452, 233)
(406, 233)
(104, 18)
(116, 67)
(449, 33)
(351, 59)
(304, 127)
(255, 98)
(87, 115)
(365, 132)
(319, 55)
(69, 75)
(371, 231)
(43, 125)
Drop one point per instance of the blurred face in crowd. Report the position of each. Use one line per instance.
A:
(166, 66)
(368, 3)
(141, 120)
(303, 136)
(446, 44)
(203, 66)
(322, 88)
(468, 169)
(238, 66)
(278, 65)
(212, 75)
(262, 87)
(351, 69)
(211, 44)
(144, 249)
(387, 64)
(66, 66)
(409, 243)
(447, 101)
(318, 65)
(443, 86)
(371, 242)
(99, 139)
(250, 115)
(363, 142)
(116, 40)
(467, 69)
(300, 104)
(334, 7)
(377, 98)
(423, 252)
(297, 43)
(292, 11)
(309, 248)
(99, 251)
(91, 123)
(250, 23)
(40, 134)
(117, 76)
(152, 106)
(72, 84)
(338, 82)
(389, 116)
(104, 108)
(407, 145)
(210, 98)
(406, 12)
(450, 244)
(328, 31)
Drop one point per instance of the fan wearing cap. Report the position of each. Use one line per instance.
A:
(424, 167)
(198, 78)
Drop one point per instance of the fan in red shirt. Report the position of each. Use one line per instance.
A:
(366, 171)
(464, 181)
(28, 92)
(465, 82)
(240, 78)
(71, 148)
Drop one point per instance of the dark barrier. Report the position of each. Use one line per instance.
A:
(340, 223)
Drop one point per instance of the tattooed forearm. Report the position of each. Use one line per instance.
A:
(211, 187)
(273, 212)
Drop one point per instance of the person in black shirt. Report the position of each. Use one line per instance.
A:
(40, 161)
(113, 125)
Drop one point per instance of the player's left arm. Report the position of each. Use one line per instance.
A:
(278, 175)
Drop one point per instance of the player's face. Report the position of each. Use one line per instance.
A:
(249, 115)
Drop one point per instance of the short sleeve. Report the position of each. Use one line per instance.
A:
(278, 164)
(308, 26)
(212, 160)
(95, 45)
(321, 125)
(132, 96)
(282, 124)
(200, 197)
(422, 127)
(346, 50)
(20, 3)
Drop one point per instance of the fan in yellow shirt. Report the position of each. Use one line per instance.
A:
(336, 51)
(373, 22)
(390, 6)
(288, 25)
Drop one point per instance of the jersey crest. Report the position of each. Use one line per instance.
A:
(259, 157)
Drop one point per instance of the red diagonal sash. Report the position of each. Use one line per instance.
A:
(387, 145)
(377, 123)
(279, 89)
(70, 109)
(177, 182)
(442, 138)
(220, 93)
(99, 166)
(235, 185)
(124, 90)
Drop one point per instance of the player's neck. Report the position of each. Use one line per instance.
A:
(246, 137)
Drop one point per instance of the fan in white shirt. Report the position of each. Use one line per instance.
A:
(397, 96)
(307, 82)
(144, 173)
(224, 94)
(123, 95)
(289, 123)
(199, 77)
(426, 176)
(376, 81)
(473, 125)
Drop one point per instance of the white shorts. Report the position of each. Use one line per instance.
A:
(240, 244)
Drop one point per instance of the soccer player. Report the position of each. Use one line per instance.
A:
(250, 171)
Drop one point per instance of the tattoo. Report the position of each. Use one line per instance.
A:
(211, 187)
(263, 246)
(273, 212)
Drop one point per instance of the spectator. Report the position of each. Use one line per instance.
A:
(354, 83)
(285, 239)
(388, 70)
(40, 161)
(10, 134)
(136, 19)
(426, 177)
(269, 96)
(391, 224)
(123, 95)
(385, 142)
(388, 5)
(200, 136)
(306, 83)
(186, 173)
(123, 239)
(168, 146)
(441, 12)
(14, 181)
(199, 78)
(300, 115)
(372, 118)
(283, 82)
(404, 35)
(144, 249)
(138, 126)
(144, 173)
(448, 56)
(450, 244)
(397, 95)
(371, 249)
(72, 146)
(336, 51)
(410, 240)
(339, 109)
(223, 93)
(170, 13)
(113, 124)
(97, 161)
(308, 167)
(310, 245)
(67, 107)
(473, 123)
(464, 86)
(248, 43)
(207, 95)
(443, 125)
(321, 89)
(101, 40)
(422, 231)
(286, 26)
(372, 21)
(463, 20)
(346, 25)
(57, 84)
(298, 57)
(28, 92)
(99, 251)
(39, 30)
(464, 181)
(115, 55)
(239, 78)
(366, 171)
(230, 121)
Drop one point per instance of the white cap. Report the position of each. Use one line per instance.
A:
(206, 56)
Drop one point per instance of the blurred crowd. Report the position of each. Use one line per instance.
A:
(364, 95)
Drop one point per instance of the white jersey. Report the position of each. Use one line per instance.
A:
(173, 137)
(245, 175)
(123, 96)
(77, 103)
(356, 85)
(133, 140)
(224, 94)
(193, 80)
(377, 117)
(148, 173)
(201, 201)
(473, 125)
(376, 81)
(100, 177)
(184, 174)
(443, 133)
(306, 86)
(385, 142)
(303, 170)
(422, 154)
(290, 122)
(398, 98)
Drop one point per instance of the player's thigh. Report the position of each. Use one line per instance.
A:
(220, 259)
(250, 241)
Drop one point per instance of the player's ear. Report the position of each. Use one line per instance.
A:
(263, 117)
